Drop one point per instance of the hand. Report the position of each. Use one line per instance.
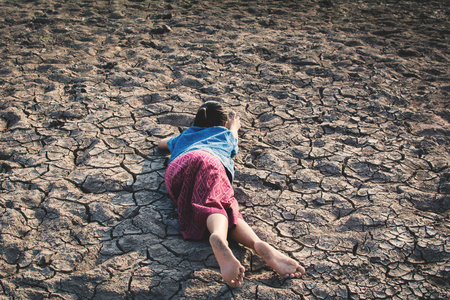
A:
(235, 121)
(234, 124)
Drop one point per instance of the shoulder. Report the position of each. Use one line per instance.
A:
(206, 130)
(189, 131)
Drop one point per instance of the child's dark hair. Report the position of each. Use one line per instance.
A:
(210, 114)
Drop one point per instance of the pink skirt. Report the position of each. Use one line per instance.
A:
(198, 183)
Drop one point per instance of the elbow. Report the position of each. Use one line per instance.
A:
(163, 145)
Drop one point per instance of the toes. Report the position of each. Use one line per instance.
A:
(241, 272)
(293, 275)
(233, 283)
(301, 270)
(237, 282)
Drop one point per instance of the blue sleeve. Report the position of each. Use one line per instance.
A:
(171, 143)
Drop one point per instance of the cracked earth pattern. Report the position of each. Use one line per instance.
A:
(344, 145)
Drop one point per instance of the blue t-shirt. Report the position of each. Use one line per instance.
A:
(216, 140)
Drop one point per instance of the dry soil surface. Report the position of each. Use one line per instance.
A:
(344, 145)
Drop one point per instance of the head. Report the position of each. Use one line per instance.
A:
(211, 114)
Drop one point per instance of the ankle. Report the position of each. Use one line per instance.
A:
(259, 243)
(216, 238)
(253, 244)
(261, 247)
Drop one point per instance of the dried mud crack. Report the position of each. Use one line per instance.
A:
(344, 150)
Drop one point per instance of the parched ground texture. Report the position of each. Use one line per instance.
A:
(344, 152)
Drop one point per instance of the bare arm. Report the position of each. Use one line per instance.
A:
(163, 144)
(234, 124)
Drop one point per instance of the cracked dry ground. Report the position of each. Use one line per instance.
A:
(343, 162)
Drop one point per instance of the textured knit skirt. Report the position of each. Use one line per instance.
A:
(199, 185)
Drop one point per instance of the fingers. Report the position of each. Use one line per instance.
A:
(234, 119)
(233, 116)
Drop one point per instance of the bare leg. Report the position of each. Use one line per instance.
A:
(231, 269)
(282, 264)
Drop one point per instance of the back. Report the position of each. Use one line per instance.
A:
(216, 140)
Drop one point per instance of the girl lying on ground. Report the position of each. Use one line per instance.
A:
(199, 177)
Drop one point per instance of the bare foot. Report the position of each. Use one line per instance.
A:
(231, 269)
(282, 264)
